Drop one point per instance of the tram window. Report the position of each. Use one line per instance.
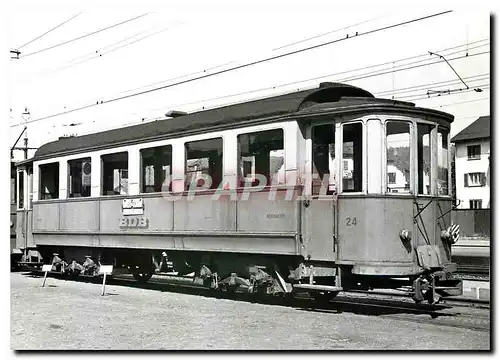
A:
(79, 177)
(115, 174)
(323, 159)
(398, 157)
(156, 168)
(442, 177)
(21, 190)
(424, 158)
(261, 153)
(203, 161)
(13, 190)
(352, 152)
(49, 181)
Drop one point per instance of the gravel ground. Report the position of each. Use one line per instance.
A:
(67, 315)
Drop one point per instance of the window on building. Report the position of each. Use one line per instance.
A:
(474, 152)
(474, 179)
(352, 152)
(203, 162)
(398, 156)
(49, 181)
(442, 178)
(156, 169)
(79, 177)
(323, 159)
(20, 204)
(475, 204)
(261, 153)
(424, 158)
(115, 174)
(346, 165)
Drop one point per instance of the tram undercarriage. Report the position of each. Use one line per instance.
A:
(251, 273)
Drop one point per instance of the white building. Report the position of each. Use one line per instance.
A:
(472, 165)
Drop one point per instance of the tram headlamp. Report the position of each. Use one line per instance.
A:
(405, 235)
(451, 234)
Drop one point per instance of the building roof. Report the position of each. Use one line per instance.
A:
(479, 129)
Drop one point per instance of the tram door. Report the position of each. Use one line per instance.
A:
(24, 237)
(319, 214)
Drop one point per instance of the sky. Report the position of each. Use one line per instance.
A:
(156, 46)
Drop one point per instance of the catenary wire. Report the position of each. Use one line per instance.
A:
(84, 36)
(242, 66)
(48, 31)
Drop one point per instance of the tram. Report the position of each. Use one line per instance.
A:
(322, 190)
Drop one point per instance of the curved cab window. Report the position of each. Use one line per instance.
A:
(156, 169)
(398, 157)
(79, 177)
(49, 181)
(442, 177)
(352, 158)
(261, 153)
(424, 158)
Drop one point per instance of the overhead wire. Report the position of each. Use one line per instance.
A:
(244, 65)
(84, 36)
(327, 33)
(359, 77)
(48, 31)
(98, 53)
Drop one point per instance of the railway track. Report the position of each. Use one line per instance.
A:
(467, 314)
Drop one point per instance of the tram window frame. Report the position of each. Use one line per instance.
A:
(406, 174)
(331, 169)
(161, 156)
(20, 200)
(76, 188)
(420, 158)
(45, 193)
(112, 169)
(214, 152)
(258, 161)
(446, 177)
(358, 157)
(13, 188)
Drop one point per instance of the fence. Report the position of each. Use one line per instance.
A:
(473, 222)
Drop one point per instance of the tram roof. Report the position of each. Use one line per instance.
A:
(227, 116)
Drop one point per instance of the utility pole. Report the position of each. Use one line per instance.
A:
(14, 54)
(26, 113)
(24, 148)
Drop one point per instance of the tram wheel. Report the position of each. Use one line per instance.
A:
(142, 276)
(324, 297)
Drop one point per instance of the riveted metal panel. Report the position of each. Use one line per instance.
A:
(159, 213)
(110, 213)
(46, 216)
(368, 229)
(79, 215)
(66, 239)
(204, 213)
(425, 226)
(318, 230)
(443, 207)
(260, 213)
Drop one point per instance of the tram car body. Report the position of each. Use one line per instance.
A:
(322, 190)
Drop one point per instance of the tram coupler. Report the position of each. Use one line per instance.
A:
(434, 287)
(424, 288)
